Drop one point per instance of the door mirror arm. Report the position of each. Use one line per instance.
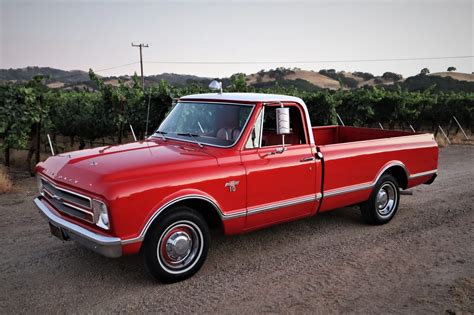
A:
(279, 150)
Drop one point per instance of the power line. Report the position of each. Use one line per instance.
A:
(116, 67)
(305, 61)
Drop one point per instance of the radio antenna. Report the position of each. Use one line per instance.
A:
(148, 114)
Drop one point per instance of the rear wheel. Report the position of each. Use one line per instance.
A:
(177, 245)
(383, 201)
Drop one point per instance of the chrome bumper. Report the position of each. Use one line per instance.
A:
(105, 245)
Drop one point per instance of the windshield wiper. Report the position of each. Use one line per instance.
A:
(188, 134)
(162, 134)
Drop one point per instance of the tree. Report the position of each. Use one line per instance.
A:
(322, 107)
(238, 83)
(425, 71)
(364, 75)
(21, 109)
(73, 113)
(12, 122)
(451, 68)
(395, 77)
(39, 115)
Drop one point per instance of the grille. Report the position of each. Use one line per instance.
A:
(68, 202)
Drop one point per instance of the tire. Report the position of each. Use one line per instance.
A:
(176, 246)
(383, 201)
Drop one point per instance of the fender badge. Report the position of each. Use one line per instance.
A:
(232, 185)
(93, 163)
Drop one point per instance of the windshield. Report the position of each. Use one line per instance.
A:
(206, 123)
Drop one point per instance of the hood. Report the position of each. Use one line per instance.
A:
(88, 169)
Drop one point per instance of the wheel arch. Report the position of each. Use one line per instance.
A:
(398, 170)
(208, 208)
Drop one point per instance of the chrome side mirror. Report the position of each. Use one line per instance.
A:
(283, 120)
(282, 126)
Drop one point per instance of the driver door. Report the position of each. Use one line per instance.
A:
(280, 186)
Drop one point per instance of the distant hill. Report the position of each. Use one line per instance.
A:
(295, 78)
(25, 74)
(179, 79)
(441, 82)
(62, 79)
(262, 79)
(324, 79)
(455, 75)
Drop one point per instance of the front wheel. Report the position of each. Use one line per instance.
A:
(177, 245)
(383, 201)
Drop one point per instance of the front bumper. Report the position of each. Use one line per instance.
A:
(105, 245)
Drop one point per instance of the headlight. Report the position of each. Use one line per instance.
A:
(101, 215)
(39, 184)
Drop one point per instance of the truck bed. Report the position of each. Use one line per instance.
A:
(339, 134)
(354, 158)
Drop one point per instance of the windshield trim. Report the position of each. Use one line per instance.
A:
(168, 135)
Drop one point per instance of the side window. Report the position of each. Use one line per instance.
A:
(269, 134)
(255, 136)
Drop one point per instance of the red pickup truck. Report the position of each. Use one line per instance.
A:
(236, 161)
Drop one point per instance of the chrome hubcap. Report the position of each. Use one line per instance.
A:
(180, 246)
(386, 199)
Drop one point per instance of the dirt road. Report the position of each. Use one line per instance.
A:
(422, 261)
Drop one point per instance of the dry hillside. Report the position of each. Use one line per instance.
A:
(318, 79)
(312, 77)
(456, 75)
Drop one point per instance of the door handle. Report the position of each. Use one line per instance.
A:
(308, 159)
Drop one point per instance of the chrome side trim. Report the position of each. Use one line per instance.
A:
(282, 204)
(105, 245)
(347, 189)
(423, 174)
(234, 215)
(364, 186)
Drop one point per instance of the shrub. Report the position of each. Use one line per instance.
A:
(364, 75)
(395, 77)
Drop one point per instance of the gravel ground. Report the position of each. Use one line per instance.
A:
(422, 261)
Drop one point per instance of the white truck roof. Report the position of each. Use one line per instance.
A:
(245, 97)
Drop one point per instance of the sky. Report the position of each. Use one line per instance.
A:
(251, 35)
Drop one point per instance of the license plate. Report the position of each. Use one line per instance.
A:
(57, 231)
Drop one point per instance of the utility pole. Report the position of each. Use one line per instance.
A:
(141, 61)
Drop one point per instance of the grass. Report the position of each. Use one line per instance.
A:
(6, 185)
(459, 138)
(455, 139)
